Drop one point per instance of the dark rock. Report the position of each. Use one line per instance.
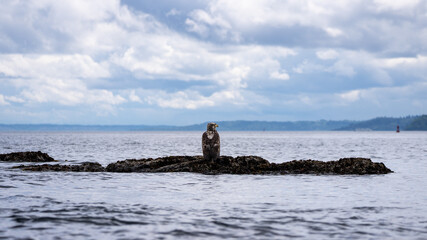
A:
(163, 164)
(84, 167)
(248, 165)
(26, 157)
(224, 165)
(343, 166)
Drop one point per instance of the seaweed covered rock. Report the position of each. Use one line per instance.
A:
(26, 157)
(224, 165)
(248, 165)
(357, 166)
(154, 165)
(343, 166)
(84, 167)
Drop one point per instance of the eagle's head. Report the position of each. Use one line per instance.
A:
(212, 126)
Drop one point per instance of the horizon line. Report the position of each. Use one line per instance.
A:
(240, 120)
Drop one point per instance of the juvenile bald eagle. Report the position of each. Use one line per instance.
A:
(210, 143)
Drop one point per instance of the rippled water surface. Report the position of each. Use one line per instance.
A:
(50, 205)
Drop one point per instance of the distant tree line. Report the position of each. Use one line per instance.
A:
(410, 123)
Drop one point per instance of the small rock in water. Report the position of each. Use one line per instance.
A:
(26, 157)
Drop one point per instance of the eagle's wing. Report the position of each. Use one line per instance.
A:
(216, 145)
(205, 143)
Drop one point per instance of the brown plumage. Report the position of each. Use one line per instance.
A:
(211, 143)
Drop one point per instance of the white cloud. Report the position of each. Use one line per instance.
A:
(351, 96)
(418, 61)
(358, 25)
(334, 32)
(247, 13)
(193, 100)
(343, 68)
(133, 97)
(183, 100)
(205, 18)
(280, 75)
(121, 39)
(381, 68)
(327, 54)
(384, 96)
(14, 99)
(103, 97)
(383, 5)
(68, 66)
(237, 18)
(196, 27)
(3, 101)
(68, 92)
(200, 22)
(178, 58)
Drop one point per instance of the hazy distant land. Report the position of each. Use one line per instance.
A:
(410, 123)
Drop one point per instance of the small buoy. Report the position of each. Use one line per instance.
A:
(397, 129)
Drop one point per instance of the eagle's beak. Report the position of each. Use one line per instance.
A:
(216, 125)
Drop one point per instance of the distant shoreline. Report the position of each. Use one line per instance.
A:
(409, 123)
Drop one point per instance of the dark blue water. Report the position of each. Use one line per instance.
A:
(51, 205)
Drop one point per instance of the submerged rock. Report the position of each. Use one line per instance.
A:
(26, 157)
(225, 165)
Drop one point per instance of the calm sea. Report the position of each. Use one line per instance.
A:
(62, 205)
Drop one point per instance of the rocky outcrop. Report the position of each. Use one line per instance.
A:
(26, 157)
(224, 165)
(248, 165)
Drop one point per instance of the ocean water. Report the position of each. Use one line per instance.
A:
(67, 205)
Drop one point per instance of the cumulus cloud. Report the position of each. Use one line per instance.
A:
(182, 59)
(377, 26)
(147, 49)
(69, 92)
(48, 65)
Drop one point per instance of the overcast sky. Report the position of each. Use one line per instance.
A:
(183, 62)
